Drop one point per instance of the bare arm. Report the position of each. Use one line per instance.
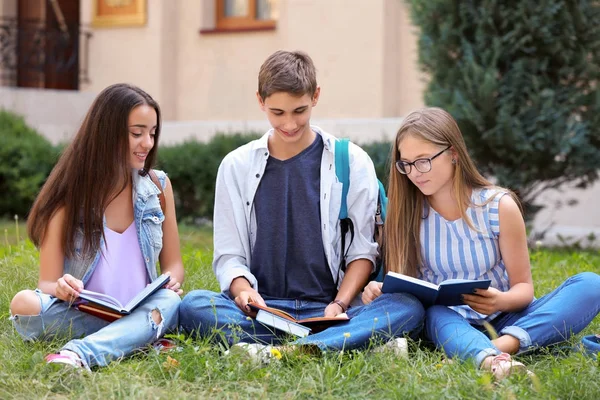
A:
(170, 255)
(513, 247)
(357, 274)
(52, 258)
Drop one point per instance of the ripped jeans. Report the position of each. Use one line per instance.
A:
(101, 341)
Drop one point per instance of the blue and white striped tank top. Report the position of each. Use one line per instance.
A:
(452, 250)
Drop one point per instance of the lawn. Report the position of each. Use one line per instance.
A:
(199, 370)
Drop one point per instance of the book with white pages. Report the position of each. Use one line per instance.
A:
(90, 298)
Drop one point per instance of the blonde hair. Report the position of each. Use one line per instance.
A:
(287, 71)
(402, 251)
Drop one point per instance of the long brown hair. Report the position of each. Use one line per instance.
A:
(92, 170)
(402, 250)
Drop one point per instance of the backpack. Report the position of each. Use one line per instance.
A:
(342, 171)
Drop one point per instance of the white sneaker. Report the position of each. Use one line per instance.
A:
(258, 353)
(502, 365)
(398, 345)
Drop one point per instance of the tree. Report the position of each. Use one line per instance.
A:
(521, 78)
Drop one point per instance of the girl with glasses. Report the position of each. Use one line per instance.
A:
(446, 221)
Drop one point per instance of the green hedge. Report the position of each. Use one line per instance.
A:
(192, 168)
(26, 159)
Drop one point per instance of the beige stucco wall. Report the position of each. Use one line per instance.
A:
(365, 53)
(143, 55)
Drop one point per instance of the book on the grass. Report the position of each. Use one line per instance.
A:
(283, 321)
(109, 308)
(447, 293)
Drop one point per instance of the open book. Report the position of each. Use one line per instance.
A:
(109, 308)
(447, 293)
(283, 321)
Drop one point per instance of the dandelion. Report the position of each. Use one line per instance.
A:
(347, 334)
(248, 319)
(375, 320)
(276, 353)
(171, 363)
(538, 243)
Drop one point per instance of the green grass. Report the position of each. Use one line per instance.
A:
(202, 372)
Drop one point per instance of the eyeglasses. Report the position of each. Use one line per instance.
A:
(422, 165)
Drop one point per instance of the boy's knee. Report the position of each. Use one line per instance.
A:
(196, 299)
(196, 309)
(26, 302)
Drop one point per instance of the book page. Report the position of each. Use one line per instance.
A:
(414, 280)
(90, 295)
(341, 317)
(281, 323)
(272, 310)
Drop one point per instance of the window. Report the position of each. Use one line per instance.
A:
(246, 14)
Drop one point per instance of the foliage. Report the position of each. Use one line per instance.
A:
(521, 79)
(380, 154)
(26, 159)
(192, 168)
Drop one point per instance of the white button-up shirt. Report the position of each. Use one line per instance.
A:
(234, 220)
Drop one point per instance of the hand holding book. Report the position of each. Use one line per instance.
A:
(243, 294)
(109, 308)
(68, 288)
(447, 293)
(283, 321)
(484, 301)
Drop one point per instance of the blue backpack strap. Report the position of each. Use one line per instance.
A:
(381, 204)
(342, 170)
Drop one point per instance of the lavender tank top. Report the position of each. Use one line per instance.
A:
(120, 272)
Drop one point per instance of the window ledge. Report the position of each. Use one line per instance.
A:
(236, 30)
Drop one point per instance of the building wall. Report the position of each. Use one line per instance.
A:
(213, 76)
(135, 55)
(57, 114)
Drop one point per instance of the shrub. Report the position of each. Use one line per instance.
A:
(26, 159)
(380, 154)
(521, 79)
(192, 168)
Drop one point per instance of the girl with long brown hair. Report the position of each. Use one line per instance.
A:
(446, 221)
(99, 225)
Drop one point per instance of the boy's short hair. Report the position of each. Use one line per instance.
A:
(287, 71)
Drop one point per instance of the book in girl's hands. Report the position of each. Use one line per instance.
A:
(109, 308)
(447, 293)
(283, 321)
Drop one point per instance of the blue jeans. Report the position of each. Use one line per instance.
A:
(551, 319)
(209, 314)
(101, 341)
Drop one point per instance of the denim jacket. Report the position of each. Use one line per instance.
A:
(148, 218)
(238, 178)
